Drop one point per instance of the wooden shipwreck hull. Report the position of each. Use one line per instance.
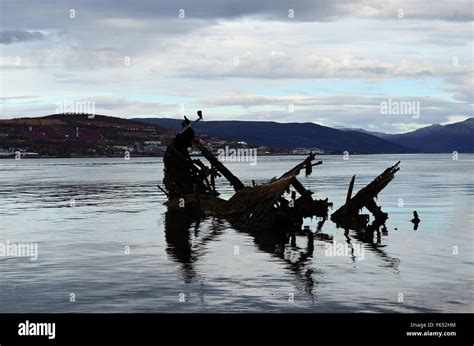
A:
(251, 207)
(348, 215)
(280, 204)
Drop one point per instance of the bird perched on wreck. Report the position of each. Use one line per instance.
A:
(180, 172)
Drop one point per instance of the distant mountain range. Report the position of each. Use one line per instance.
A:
(439, 138)
(431, 139)
(290, 135)
(83, 134)
(435, 138)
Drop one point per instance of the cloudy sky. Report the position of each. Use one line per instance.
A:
(329, 62)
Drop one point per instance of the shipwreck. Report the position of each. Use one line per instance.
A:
(279, 204)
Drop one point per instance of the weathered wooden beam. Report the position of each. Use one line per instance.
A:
(233, 180)
(162, 190)
(365, 196)
(300, 188)
(376, 210)
(349, 190)
(296, 170)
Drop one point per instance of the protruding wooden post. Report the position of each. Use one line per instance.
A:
(233, 180)
(349, 190)
(349, 193)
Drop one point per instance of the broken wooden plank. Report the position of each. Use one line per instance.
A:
(296, 170)
(365, 197)
(349, 190)
(233, 180)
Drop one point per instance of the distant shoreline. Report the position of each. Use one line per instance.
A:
(260, 155)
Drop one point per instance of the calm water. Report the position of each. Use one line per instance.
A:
(82, 249)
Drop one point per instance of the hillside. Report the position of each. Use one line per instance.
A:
(290, 135)
(78, 135)
(439, 138)
(434, 138)
(100, 135)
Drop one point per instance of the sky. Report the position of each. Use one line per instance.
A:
(335, 63)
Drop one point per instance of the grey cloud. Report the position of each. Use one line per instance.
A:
(54, 12)
(40, 13)
(309, 67)
(193, 57)
(462, 87)
(21, 97)
(340, 110)
(16, 36)
(337, 101)
(115, 106)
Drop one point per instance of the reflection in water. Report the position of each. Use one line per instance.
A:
(372, 236)
(117, 204)
(178, 238)
(298, 260)
(186, 242)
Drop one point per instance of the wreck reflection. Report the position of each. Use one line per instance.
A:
(186, 243)
(372, 237)
(187, 240)
(178, 239)
(298, 259)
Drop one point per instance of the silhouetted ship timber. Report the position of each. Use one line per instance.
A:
(191, 191)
